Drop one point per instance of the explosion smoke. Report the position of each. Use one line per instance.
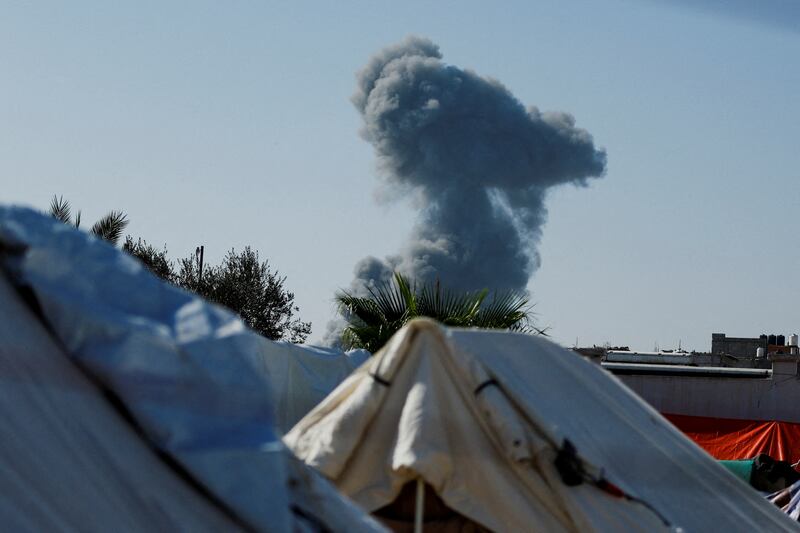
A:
(478, 162)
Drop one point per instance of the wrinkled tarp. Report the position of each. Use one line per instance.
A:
(788, 500)
(763, 473)
(191, 375)
(68, 460)
(482, 416)
(730, 439)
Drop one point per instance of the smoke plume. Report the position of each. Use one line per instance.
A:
(476, 161)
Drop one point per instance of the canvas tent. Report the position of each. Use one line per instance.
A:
(517, 434)
(130, 405)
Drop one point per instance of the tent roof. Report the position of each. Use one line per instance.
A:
(69, 461)
(192, 378)
(484, 416)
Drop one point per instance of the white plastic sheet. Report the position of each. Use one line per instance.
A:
(68, 461)
(192, 376)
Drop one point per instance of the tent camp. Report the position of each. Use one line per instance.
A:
(130, 405)
(513, 433)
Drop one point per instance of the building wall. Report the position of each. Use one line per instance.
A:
(736, 346)
(775, 398)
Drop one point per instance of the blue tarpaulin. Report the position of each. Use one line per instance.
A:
(191, 375)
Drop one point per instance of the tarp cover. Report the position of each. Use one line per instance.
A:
(730, 439)
(788, 500)
(68, 461)
(193, 377)
(482, 417)
(302, 376)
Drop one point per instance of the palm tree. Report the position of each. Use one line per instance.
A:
(373, 319)
(110, 227)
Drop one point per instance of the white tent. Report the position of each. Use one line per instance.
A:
(130, 405)
(301, 376)
(517, 434)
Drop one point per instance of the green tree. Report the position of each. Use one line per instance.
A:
(110, 227)
(154, 259)
(374, 318)
(251, 289)
(241, 283)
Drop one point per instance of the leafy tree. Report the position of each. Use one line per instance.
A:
(241, 283)
(373, 319)
(110, 227)
(153, 258)
(249, 288)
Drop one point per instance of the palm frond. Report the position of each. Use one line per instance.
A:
(60, 209)
(505, 311)
(374, 318)
(449, 307)
(110, 227)
(387, 301)
(395, 300)
(408, 293)
(364, 309)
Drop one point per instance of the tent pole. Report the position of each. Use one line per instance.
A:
(420, 507)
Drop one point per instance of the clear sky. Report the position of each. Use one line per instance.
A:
(229, 123)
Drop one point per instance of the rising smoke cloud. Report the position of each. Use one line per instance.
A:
(478, 162)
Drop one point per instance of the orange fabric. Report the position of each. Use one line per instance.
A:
(730, 439)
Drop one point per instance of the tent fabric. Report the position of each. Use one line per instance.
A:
(788, 500)
(731, 439)
(68, 462)
(302, 376)
(193, 378)
(743, 469)
(483, 417)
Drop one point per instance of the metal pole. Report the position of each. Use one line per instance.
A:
(200, 260)
(419, 511)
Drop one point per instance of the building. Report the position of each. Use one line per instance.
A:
(733, 413)
(736, 402)
(740, 347)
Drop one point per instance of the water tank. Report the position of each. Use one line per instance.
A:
(771, 339)
(781, 340)
(760, 352)
(793, 339)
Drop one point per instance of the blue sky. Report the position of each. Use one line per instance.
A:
(229, 123)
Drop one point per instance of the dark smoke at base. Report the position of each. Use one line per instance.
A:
(477, 162)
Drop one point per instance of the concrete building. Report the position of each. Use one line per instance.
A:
(732, 413)
(738, 393)
(727, 352)
(739, 347)
(737, 401)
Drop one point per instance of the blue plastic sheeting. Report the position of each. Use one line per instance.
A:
(788, 500)
(189, 372)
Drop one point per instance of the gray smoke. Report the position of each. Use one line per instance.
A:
(477, 162)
